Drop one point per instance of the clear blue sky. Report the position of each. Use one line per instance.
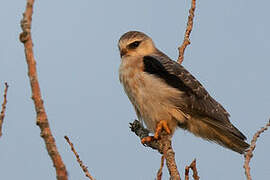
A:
(75, 45)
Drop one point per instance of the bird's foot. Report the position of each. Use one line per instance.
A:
(160, 126)
(147, 139)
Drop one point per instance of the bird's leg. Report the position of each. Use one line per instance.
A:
(160, 126)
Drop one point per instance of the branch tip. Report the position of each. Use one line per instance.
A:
(249, 153)
(3, 111)
(189, 27)
(84, 168)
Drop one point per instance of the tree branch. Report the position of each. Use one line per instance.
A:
(84, 168)
(187, 173)
(189, 27)
(42, 120)
(192, 166)
(159, 174)
(2, 115)
(249, 153)
(194, 169)
(162, 145)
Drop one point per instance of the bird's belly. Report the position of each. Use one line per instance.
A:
(152, 98)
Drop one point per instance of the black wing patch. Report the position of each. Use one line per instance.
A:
(153, 66)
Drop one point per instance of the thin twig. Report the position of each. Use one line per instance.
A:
(189, 27)
(2, 115)
(249, 153)
(187, 173)
(84, 168)
(194, 169)
(159, 174)
(162, 145)
(42, 120)
(192, 166)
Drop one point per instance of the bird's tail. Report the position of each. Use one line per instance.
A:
(224, 134)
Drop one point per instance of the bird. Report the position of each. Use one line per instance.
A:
(166, 96)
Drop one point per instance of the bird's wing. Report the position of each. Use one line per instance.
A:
(197, 99)
(175, 75)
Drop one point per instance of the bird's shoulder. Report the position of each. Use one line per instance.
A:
(161, 65)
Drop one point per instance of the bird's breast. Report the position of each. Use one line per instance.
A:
(150, 95)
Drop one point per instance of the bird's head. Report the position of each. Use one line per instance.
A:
(135, 43)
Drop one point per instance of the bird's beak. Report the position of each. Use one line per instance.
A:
(123, 52)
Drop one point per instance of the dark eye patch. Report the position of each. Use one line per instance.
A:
(134, 45)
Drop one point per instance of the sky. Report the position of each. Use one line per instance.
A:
(75, 46)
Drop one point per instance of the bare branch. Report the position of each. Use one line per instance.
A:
(84, 168)
(42, 120)
(162, 145)
(189, 27)
(192, 166)
(2, 115)
(187, 173)
(249, 153)
(159, 174)
(194, 169)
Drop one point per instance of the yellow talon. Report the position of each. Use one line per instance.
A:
(161, 125)
(147, 139)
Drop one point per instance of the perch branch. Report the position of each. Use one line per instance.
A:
(2, 115)
(84, 168)
(162, 145)
(249, 153)
(42, 120)
(189, 27)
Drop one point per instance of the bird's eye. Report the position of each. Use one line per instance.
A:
(134, 45)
